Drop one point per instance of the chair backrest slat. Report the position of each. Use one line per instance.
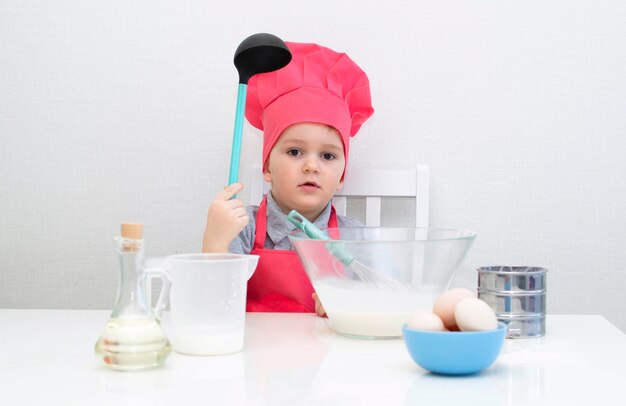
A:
(372, 211)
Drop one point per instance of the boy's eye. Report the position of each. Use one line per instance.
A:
(294, 152)
(328, 156)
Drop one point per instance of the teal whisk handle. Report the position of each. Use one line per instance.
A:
(336, 249)
(305, 225)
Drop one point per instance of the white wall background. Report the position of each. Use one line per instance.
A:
(117, 110)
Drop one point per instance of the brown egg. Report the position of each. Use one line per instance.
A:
(426, 321)
(473, 314)
(445, 305)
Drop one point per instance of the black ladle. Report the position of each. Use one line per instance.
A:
(259, 53)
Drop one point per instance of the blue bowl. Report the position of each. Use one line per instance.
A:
(454, 352)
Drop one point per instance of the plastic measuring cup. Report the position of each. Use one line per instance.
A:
(208, 301)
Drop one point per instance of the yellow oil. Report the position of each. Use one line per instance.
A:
(133, 344)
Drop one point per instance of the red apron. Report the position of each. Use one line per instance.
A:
(279, 283)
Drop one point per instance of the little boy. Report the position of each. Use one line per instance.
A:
(308, 111)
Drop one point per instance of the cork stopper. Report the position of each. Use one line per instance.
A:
(133, 231)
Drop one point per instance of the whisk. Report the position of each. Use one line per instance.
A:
(338, 250)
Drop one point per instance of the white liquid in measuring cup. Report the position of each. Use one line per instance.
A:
(354, 309)
(133, 343)
(204, 342)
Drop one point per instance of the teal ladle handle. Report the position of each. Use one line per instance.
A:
(235, 154)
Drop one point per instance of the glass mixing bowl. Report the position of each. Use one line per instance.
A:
(370, 280)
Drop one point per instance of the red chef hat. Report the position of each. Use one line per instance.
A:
(319, 85)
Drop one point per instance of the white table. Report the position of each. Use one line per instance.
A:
(46, 357)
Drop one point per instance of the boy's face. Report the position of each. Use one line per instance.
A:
(305, 168)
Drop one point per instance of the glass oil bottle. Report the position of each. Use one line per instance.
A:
(132, 339)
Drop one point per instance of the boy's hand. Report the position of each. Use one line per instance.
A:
(226, 219)
(319, 309)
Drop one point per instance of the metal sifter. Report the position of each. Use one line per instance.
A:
(517, 294)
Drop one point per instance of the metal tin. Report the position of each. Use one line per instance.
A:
(524, 327)
(517, 294)
(512, 278)
(513, 304)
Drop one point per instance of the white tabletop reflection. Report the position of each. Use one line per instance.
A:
(47, 357)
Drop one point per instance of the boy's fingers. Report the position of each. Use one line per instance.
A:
(235, 203)
(229, 191)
